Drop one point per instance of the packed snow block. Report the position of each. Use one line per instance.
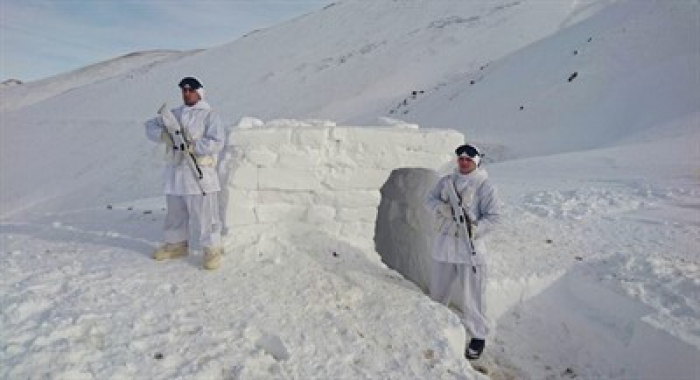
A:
(299, 124)
(320, 214)
(288, 179)
(362, 214)
(348, 179)
(293, 157)
(243, 177)
(341, 160)
(332, 228)
(377, 139)
(261, 157)
(400, 156)
(310, 137)
(298, 197)
(242, 196)
(421, 159)
(260, 137)
(384, 159)
(280, 213)
(348, 198)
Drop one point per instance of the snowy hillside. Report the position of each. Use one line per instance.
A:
(588, 112)
(14, 96)
(623, 74)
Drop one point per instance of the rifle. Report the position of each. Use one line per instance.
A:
(460, 216)
(181, 142)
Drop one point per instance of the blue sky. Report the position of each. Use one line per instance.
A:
(44, 38)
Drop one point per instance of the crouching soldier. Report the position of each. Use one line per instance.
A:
(191, 202)
(459, 251)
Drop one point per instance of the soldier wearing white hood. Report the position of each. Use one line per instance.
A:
(455, 257)
(191, 204)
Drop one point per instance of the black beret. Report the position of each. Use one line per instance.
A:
(190, 82)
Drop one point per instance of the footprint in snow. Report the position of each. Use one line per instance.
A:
(273, 345)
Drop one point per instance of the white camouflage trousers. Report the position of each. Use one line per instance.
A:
(473, 283)
(198, 212)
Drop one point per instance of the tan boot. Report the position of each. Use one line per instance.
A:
(212, 257)
(171, 251)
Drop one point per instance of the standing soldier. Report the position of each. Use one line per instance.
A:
(459, 251)
(191, 195)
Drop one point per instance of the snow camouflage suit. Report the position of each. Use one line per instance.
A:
(183, 195)
(452, 255)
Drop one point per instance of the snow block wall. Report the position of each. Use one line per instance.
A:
(294, 178)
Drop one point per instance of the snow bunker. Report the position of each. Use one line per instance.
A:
(295, 178)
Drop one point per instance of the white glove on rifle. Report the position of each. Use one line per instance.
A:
(445, 210)
(167, 139)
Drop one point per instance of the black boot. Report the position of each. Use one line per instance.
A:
(476, 347)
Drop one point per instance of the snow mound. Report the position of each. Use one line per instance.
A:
(90, 303)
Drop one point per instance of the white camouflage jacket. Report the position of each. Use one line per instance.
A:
(208, 134)
(480, 201)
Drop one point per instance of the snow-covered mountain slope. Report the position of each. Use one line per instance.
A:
(611, 78)
(600, 186)
(345, 63)
(356, 53)
(16, 96)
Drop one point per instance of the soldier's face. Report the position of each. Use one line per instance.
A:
(466, 165)
(189, 96)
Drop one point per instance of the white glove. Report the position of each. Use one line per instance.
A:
(445, 210)
(165, 136)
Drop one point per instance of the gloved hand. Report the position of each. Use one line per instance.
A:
(472, 222)
(471, 215)
(445, 210)
(475, 234)
(165, 136)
